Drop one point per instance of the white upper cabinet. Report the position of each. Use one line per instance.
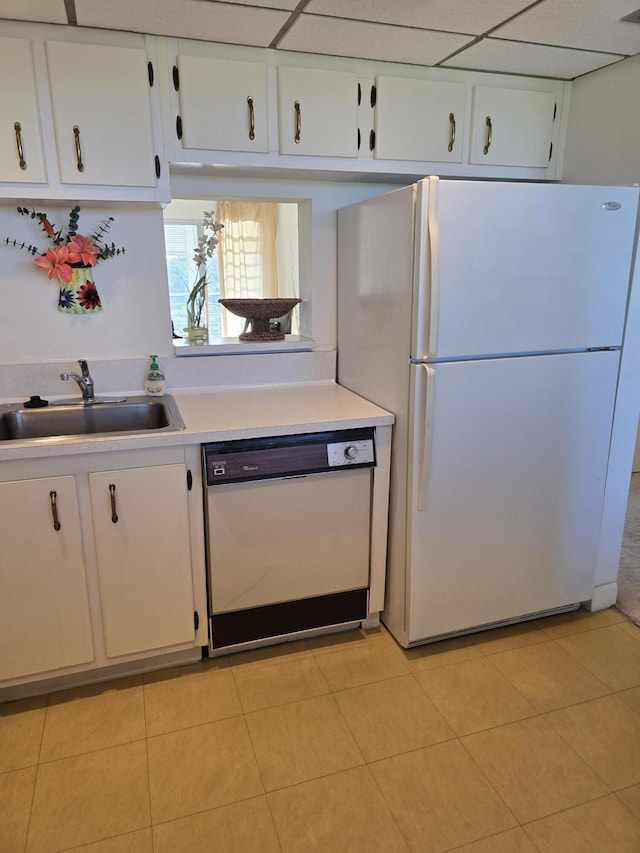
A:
(21, 157)
(223, 104)
(419, 120)
(512, 127)
(101, 113)
(317, 112)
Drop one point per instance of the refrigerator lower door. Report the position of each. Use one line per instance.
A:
(507, 467)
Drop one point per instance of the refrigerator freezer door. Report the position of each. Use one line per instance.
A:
(514, 268)
(507, 473)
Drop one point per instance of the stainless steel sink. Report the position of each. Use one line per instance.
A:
(131, 416)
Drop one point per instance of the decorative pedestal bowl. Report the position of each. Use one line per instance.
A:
(260, 312)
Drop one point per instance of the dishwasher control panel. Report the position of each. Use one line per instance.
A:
(354, 452)
(274, 457)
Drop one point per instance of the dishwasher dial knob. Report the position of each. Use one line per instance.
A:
(351, 451)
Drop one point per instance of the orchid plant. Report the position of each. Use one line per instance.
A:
(204, 250)
(70, 250)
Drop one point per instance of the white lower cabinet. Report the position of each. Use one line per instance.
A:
(101, 563)
(143, 553)
(46, 622)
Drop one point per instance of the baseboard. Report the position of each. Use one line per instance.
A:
(603, 596)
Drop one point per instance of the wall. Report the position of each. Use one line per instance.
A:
(603, 147)
(37, 341)
(603, 133)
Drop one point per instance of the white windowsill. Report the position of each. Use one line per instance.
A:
(233, 346)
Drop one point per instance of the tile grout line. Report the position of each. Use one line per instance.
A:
(255, 758)
(146, 756)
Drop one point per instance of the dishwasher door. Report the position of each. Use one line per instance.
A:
(280, 540)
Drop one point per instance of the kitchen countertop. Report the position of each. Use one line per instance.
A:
(222, 414)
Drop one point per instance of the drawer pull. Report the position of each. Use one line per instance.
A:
(54, 509)
(112, 497)
(296, 107)
(487, 145)
(252, 123)
(76, 137)
(18, 129)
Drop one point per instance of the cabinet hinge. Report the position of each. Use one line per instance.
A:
(176, 78)
(189, 479)
(550, 151)
(374, 96)
(179, 127)
(158, 167)
(196, 620)
(150, 72)
(359, 139)
(555, 111)
(372, 140)
(359, 94)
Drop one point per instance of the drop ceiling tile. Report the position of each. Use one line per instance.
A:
(200, 19)
(316, 34)
(587, 24)
(45, 11)
(457, 16)
(515, 57)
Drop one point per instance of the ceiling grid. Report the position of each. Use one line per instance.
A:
(548, 38)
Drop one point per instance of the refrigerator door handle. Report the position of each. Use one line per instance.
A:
(434, 257)
(427, 431)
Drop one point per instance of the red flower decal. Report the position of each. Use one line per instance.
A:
(88, 296)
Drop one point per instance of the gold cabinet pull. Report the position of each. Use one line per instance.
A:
(76, 136)
(54, 509)
(296, 107)
(112, 496)
(487, 144)
(452, 131)
(18, 129)
(252, 123)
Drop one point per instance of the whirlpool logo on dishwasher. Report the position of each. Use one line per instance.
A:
(250, 467)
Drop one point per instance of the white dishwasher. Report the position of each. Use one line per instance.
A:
(288, 528)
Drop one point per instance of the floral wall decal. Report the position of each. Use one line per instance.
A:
(71, 259)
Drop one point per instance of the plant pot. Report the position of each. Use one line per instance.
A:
(79, 296)
(197, 334)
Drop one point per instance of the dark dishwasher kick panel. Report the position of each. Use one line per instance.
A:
(288, 529)
(290, 455)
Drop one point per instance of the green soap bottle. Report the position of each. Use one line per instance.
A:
(154, 382)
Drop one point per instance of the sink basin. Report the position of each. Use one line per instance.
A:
(133, 415)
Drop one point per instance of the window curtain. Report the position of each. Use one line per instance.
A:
(247, 260)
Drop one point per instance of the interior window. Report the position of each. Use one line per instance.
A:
(256, 257)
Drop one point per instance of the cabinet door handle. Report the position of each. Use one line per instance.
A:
(487, 144)
(252, 123)
(18, 129)
(54, 509)
(112, 497)
(76, 137)
(452, 131)
(296, 107)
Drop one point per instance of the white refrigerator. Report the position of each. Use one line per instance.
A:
(488, 317)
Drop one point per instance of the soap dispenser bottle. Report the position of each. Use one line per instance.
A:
(154, 382)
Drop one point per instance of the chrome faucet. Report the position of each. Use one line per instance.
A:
(85, 382)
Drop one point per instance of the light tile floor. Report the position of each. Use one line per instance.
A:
(517, 740)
